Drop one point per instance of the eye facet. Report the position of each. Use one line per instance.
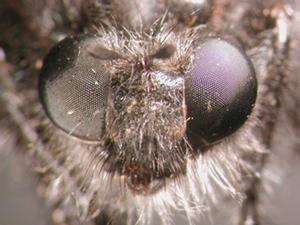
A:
(221, 90)
(73, 88)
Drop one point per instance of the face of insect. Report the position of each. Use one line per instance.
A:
(143, 108)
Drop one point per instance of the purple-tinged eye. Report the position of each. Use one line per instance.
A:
(221, 90)
(74, 88)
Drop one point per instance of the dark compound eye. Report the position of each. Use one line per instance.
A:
(74, 88)
(221, 91)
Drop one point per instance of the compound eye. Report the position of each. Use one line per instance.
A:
(73, 88)
(221, 90)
